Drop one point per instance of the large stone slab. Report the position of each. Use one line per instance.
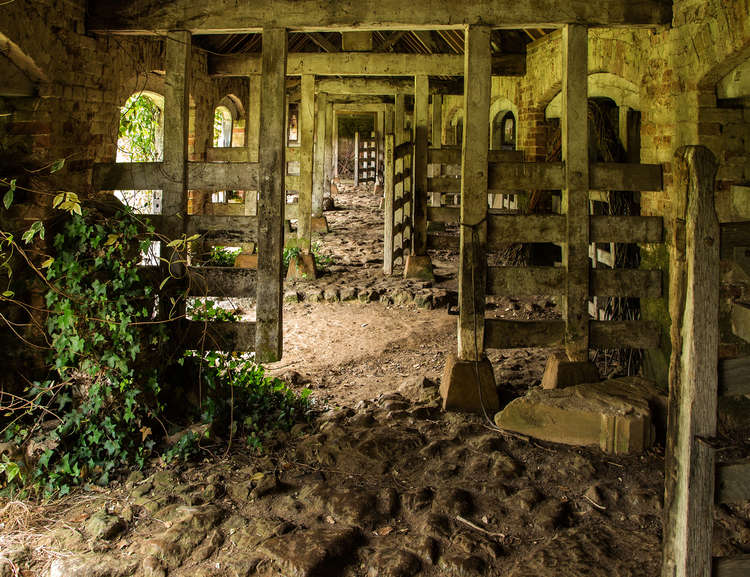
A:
(616, 415)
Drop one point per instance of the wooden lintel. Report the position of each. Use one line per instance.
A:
(230, 17)
(375, 86)
(210, 176)
(200, 175)
(227, 154)
(365, 64)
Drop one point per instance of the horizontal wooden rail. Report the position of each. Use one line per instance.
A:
(401, 201)
(733, 234)
(624, 282)
(738, 566)
(291, 211)
(400, 177)
(453, 156)
(219, 336)
(218, 281)
(503, 334)
(291, 182)
(449, 184)
(734, 376)
(627, 229)
(227, 154)
(403, 150)
(443, 214)
(208, 176)
(733, 483)
(442, 241)
(625, 176)
(292, 153)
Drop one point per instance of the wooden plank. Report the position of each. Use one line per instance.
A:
(405, 174)
(293, 182)
(230, 17)
(291, 211)
(438, 241)
(627, 229)
(293, 154)
(307, 137)
(452, 155)
(507, 229)
(319, 181)
(218, 281)
(575, 196)
(502, 334)
(624, 334)
(524, 281)
(269, 334)
(734, 376)
(370, 85)
(214, 176)
(404, 149)
(514, 176)
(388, 198)
(226, 230)
(733, 483)
(219, 336)
(400, 177)
(252, 124)
(731, 566)
(693, 375)
(444, 184)
(443, 214)
(623, 282)
(421, 125)
(623, 176)
(733, 234)
(472, 275)
(128, 176)
(436, 128)
(740, 317)
(227, 154)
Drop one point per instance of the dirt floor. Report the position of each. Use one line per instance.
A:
(384, 484)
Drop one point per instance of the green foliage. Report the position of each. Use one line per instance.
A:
(140, 123)
(322, 261)
(289, 253)
(222, 256)
(8, 196)
(209, 310)
(243, 402)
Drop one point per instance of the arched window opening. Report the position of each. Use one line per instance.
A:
(223, 127)
(508, 132)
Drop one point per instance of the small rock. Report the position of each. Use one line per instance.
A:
(291, 297)
(453, 501)
(102, 525)
(331, 295)
(394, 563)
(348, 294)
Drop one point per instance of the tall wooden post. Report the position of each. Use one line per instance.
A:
(388, 197)
(476, 139)
(356, 159)
(307, 135)
(421, 129)
(319, 180)
(335, 159)
(399, 138)
(575, 198)
(330, 161)
(436, 141)
(252, 137)
(693, 373)
(176, 122)
(269, 330)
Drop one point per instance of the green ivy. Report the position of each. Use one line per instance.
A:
(140, 123)
(222, 256)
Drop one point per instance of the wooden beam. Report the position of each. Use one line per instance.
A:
(734, 376)
(230, 17)
(391, 40)
(627, 229)
(218, 281)
(443, 214)
(362, 64)
(227, 154)
(738, 566)
(421, 125)
(211, 176)
(733, 483)
(399, 138)
(693, 375)
(252, 124)
(624, 334)
(269, 334)
(358, 41)
(505, 229)
(323, 42)
(626, 176)
(524, 281)
(473, 232)
(218, 336)
(575, 197)
(733, 234)
(319, 180)
(306, 129)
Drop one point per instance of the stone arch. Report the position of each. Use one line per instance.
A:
(499, 108)
(602, 85)
(454, 126)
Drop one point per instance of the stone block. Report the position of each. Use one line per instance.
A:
(244, 260)
(562, 372)
(302, 266)
(616, 415)
(418, 267)
(469, 386)
(741, 320)
(319, 225)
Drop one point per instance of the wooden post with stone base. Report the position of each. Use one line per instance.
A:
(418, 264)
(318, 222)
(693, 369)
(468, 381)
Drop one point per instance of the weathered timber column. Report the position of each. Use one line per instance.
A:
(252, 137)
(306, 126)
(269, 330)
(335, 159)
(330, 160)
(388, 197)
(693, 374)
(418, 264)
(176, 120)
(575, 197)
(459, 387)
(318, 221)
(437, 121)
(399, 113)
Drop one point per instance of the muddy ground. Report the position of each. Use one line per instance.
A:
(384, 483)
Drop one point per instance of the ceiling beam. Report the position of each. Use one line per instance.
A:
(232, 17)
(323, 42)
(384, 86)
(364, 64)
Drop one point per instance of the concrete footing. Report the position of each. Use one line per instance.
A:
(562, 372)
(319, 225)
(245, 260)
(418, 267)
(469, 386)
(302, 266)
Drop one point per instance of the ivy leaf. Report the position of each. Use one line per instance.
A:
(8, 197)
(58, 164)
(8, 294)
(48, 263)
(34, 229)
(111, 239)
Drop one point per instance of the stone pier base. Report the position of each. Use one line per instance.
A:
(302, 266)
(319, 225)
(418, 267)
(461, 391)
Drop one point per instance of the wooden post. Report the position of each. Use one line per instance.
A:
(575, 198)
(307, 134)
(252, 138)
(319, 180)
(335, 159)
(269, 330)
(421, 128)
(176, 122)
(399, 138)
(436, 142)
(476, 143)
(356, 159)
(388, 196)
(330, 160)
(693, 373)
